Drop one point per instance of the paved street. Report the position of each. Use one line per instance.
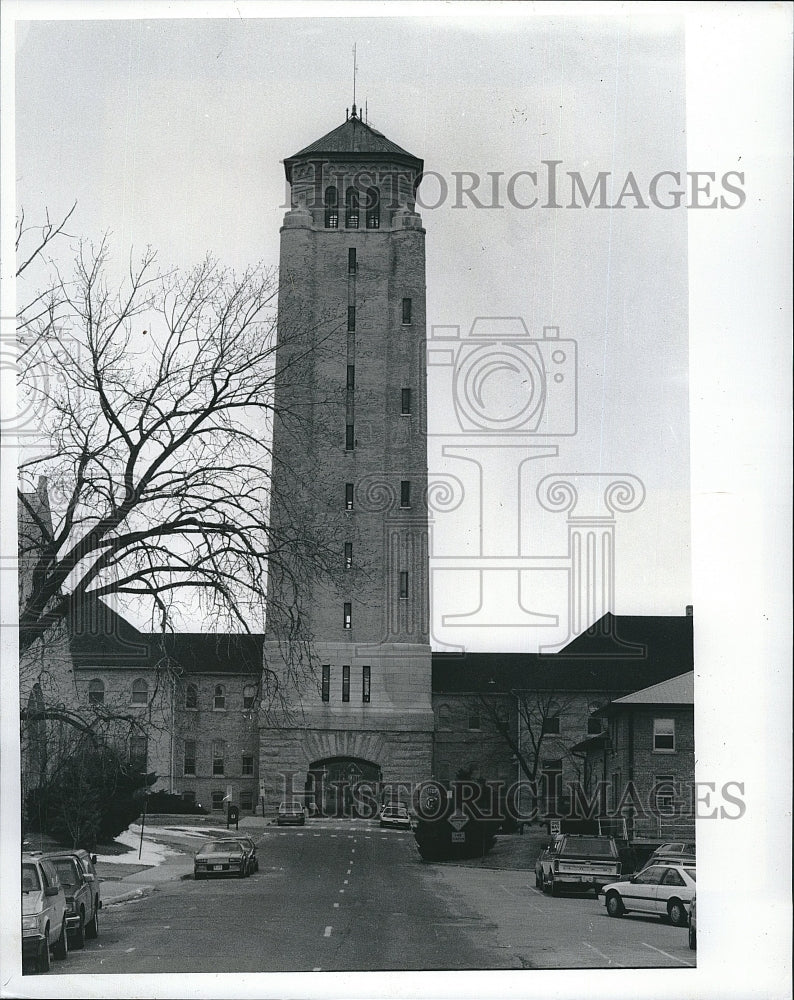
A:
(343, 896)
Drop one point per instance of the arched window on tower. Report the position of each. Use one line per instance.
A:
(373, 208)
(331, 207)
(351, 208)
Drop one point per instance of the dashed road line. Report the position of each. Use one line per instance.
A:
(327, 931)
(667, 954)
(317, 969)
(336, 906)
(346, 882)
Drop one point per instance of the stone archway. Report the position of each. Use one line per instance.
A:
(343, 786)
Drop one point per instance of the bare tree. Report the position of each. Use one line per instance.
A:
(156, 398)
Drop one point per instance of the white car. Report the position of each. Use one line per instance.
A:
(291, 813)
(395, 815)
(665, 890)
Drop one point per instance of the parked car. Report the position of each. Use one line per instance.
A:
(693, 941)
(545, 856)
(220, 857)
(77, 875)
(249, 848)
(579, 861)
(291, 813)
(672, 852)
(662, 889)
(43, 914)
(396, 815)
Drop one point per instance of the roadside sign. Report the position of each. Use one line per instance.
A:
(554, 826)
(458, 836)
(458, 821)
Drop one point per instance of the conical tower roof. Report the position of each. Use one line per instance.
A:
(354, 140)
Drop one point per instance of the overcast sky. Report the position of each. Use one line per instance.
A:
(171, 133)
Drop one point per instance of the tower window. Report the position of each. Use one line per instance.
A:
(347, 616)
(351, 208)
(365, 684)
(325, 692)
(219, 698)
(405, 401)
(331, 208)
(351, 377)
(345, 683)
(348, 496)
(404, 585)
(139, 752)
(406, 312)
(96, 692)
(373, 208)
(249, 696)
(352, 266)
(348, 555)
(247, 764)
(405, 493)
(349, 437)
(351, 318)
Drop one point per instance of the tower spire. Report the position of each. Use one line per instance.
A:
(355, 69)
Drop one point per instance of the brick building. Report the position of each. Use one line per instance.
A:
(646, 757)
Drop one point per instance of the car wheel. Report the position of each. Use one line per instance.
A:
(554, 887)
(615, 907)
(61, 949)
(43, 961)
(545, 885)
(692, 939)
(198, 876)
(676, 911)
(92, 927)
(78, 934)
(538, 881)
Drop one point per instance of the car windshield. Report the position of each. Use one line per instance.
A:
(30, 879)
(67, 871)
(691, 873)
(221, 847)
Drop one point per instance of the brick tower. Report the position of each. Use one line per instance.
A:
(350, 460)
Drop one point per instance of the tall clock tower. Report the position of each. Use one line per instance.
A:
(350, 463)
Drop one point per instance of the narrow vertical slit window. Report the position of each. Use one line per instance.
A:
(406, 312)
(351, 377)
(349, 437)
(347, 616)
(352, 265)
(365, 684)
(345, 683)
(351, 318)
(405, 493)
(404, 585)
(348, 496)
(405, 401)
(325, 692)
(348, 555)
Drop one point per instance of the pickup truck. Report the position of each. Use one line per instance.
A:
(578, 861)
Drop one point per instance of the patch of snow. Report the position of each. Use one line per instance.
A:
(151, 855)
